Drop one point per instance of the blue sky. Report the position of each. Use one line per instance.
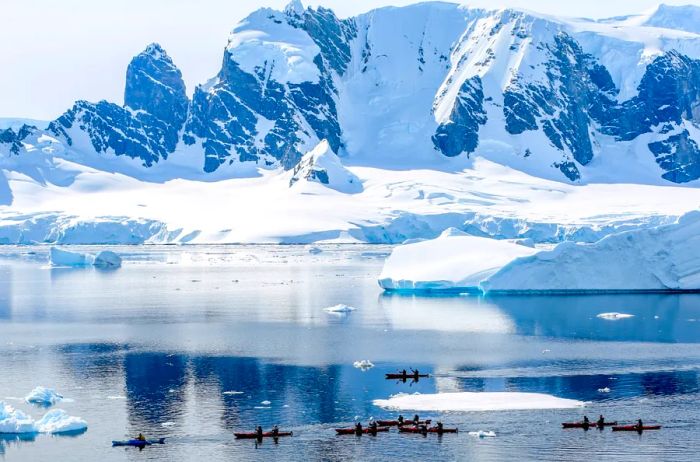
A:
(54, 52)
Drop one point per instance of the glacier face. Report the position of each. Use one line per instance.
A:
(570, 100)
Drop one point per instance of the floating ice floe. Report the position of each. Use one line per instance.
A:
(339, 308)
(614, 316)
(55, 421)
(266, 403)
(483, 434)
(103, 259)
(43, 396)
(604, 390)
(475, 401)
(664, 258)
(364, 364)
(231, 392)
(315, 250)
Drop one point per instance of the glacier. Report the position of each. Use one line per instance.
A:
(656, 259)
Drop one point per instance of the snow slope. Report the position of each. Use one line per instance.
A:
(656, 259)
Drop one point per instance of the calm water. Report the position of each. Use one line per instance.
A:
(191, 343)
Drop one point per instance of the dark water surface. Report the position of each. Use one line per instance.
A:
(192, 343)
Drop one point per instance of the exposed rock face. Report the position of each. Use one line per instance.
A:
(321, 165)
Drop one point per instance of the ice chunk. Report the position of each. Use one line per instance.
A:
(14, 421)
(103, 259)
(339, 308)
(604, 390)
(55, 421)
(614, 316)
(58, 421)
(475, 401)
(231, 392)
(315, 250)
(107, 259)
(43, 396)
(265, 403)
(364, 365)
(483, 434)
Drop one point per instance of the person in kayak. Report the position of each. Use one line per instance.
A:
(640, 424)
(416, 419)
(275, 431)
(403, 372)
(400, 419)
(601, 421)
(373, 426)
(259, 432)
(440, 428)
(424, 429)
(358, 428)
(585, 420)
(141, 437)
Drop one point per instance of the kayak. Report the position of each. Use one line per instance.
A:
(587, 425)
(405, 377)
(396, 423)
(366, 430)
(138, 443)
(254, 435)
(634, 428)
(427, 430)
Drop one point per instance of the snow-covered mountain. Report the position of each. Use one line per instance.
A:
(573, 100)
(347, 104)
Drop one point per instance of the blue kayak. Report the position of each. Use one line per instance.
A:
(138, 443)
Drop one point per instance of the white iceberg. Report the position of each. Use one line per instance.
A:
(475, 401)
(55, 421)
(604, 390)
(103, 259)
(665, 258)
(339, 308)
(483, 434)
(58, 421)
(614, 316)
(364, 364)
(43, 396)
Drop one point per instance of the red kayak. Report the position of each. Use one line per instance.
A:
(587, 425)
(365, 430)
(396, 423)
(254, 435)
(427, 430)
(406, 376)
(635, 428)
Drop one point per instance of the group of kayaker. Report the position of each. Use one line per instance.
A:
(414, 425)
(601, 423)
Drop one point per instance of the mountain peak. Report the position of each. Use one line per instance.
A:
(294, 8)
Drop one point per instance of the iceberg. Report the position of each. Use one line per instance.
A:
(483, 434)
(475, 401)
(664, 258)
(614, 316)
(55, 421)
(363, 365)
(339, 308)
(103, 259)
(43, 396)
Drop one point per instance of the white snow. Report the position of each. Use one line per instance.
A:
(44, 396)
(614, 316)
(65, 258)
(364, 365)
(339, 308)
(658, 259)
(322, 161)
(54, 421)
(475, 401)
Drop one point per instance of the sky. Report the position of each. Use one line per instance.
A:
(55, 52)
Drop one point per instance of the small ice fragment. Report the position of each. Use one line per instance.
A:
(483, 434)
(168, 424)
(604, 390)
(315, 250)
(546, 350)
(614, 316)
(656, 317)
(339, 308)
(265, 403)
(43, 396)
(363, 365)
(231, 392)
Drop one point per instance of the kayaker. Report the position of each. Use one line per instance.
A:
(416, 419)
(373, 426)
(358, 428)
(275, 431)
(416, 373)
(400, 419)
(439, 427)
(141, 437)
(259, 432)
(424, 429)
(601, 421)
(640, 424)
(585, 420)
(403, 372)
